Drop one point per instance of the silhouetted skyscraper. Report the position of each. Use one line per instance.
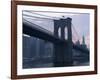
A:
(83, 42)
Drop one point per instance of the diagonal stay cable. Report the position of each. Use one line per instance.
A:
(39, 27)
(76, 31)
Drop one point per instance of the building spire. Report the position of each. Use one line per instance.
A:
(83, 40)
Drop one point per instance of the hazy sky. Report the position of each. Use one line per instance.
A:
(80, 22)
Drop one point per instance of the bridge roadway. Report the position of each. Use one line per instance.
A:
(32, 30)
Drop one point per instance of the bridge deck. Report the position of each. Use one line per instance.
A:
(33, 31)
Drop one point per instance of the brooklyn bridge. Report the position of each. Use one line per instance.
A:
(45, 48)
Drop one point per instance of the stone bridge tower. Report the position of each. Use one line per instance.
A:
(63, 50)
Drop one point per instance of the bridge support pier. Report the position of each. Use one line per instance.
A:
(62, 55)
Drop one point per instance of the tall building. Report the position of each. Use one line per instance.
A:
(83, 42)
(78, 43)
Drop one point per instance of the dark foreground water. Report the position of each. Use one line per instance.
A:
(46, 63)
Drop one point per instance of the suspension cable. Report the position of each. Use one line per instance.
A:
(42, 14)
(28, 17)
(36, 17)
